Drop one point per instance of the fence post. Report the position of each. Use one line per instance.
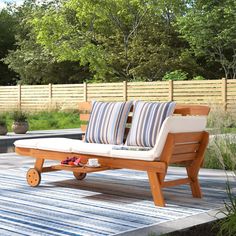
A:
(19, 97)
(170, 90)
(50, 96)
(224, 93)
(85, 92)
(125, 90)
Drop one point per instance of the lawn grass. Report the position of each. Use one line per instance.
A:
(49, 120)
(220, 155)
(221, 151)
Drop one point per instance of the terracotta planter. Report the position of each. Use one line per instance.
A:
(20, 127)
(3, 130)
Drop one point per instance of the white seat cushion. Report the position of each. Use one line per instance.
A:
(50, 144)
(92, 149)
(136, 155)
(28, 143)
(58, 144)
(65, 145)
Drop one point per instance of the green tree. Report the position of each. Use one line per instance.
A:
(209, 27)
(71, 41)
(175, 75)
(7, 40)
(81, 30)
(116, 39)
(35, 64)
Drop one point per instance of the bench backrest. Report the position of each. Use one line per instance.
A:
(186, 109)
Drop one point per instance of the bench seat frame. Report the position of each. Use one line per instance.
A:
(185, 149)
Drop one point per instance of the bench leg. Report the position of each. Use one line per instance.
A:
(196, 190)
(38, 165)
(194, 184)
(156, 189)
(193, 169)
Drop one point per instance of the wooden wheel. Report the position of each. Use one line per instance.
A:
(33, 177)
(79, 176)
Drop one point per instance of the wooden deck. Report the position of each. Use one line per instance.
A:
(113, 202)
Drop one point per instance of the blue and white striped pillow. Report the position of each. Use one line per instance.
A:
(146, 123)
(107, 122)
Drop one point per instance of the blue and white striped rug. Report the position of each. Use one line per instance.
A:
(105, 203)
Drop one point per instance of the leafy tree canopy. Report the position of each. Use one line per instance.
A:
(116, 39)
(34, 63)
(209, 27)
(69, 41)
(7, 40)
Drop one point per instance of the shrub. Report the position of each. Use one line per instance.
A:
(221, 121)
(228, 224)
(176, 75)
(3, 121)
(19, 116)
(54, 120)
(221, 153)
(199, 77)
(47, 119)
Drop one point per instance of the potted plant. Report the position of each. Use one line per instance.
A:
(20, 123)
(3, 125)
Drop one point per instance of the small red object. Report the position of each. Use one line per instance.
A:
(77, 161)
(71, 163)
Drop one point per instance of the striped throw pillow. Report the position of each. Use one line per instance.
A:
(107, 122)
(146, 123)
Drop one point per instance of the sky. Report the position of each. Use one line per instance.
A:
(3, 2)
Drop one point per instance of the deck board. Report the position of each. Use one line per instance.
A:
(111, 202)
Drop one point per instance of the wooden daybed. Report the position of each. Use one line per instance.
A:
(182, 141)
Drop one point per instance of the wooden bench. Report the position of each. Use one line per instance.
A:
(186, 149)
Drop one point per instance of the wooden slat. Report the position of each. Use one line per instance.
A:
(48, 169)
(85, 106)
(172, 183)
(83, 128)
(104, 161)
(84, 117)
(129, 163)
(188, 137)
(185, 148)
(192, 109)
(79, 169)
(129, 120)
(105, 85)
(23, 151)
(203, 82)
(183, 157)
(149, 83)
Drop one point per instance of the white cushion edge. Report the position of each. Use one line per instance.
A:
(178, 124)
(93, 149)
(28, 143)
(136, 155)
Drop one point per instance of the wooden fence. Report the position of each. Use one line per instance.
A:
(220, 93)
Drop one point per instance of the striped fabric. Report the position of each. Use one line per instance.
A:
(107, 203)
(107, 122)
(147, 120)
